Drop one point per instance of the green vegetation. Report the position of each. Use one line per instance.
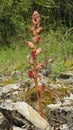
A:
(14, 57)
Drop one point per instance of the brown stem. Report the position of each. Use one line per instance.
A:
(37, 89)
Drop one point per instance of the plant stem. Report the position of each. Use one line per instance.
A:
(37, 89)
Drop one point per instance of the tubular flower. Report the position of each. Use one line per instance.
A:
(35, 19)
(30, 44)
(33, 54)
(31, 74)
(39, 29)
(35, 15)
(43, 87)
(37, 39)
(32, 30)
(38, 51)
(40, 66)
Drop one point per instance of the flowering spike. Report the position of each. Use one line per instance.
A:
(35, 30)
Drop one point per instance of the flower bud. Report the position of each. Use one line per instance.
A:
(31, 74)
(30, 44)
(36, 39)
(33, 54)
(43, 87)
(40, 66)
(39, 50)
(39, 29)
(35, 23)
(35, 15)
(35, 19)
(33, 31)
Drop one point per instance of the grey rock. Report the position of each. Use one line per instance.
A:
(10, 87)
(69, 81)
(63, 111)
(66, 75)
(64, 114)
(21, 113)
(18, 128)
(4, 125)
(46, 71)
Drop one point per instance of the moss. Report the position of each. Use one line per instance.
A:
(69, 63)
(30, 96)
(48, 97)
(6, 82)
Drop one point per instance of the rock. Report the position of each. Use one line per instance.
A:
(1, 118)
(66, 75)
(63, 111)
(69, 81)
(46, 71)
(64, 114)
(4, 125)
(10, 87)
(54, 106)
(17, 128)
(62, 127)
(21, 113)
(8, 90)
(68, 101)
(65, 127)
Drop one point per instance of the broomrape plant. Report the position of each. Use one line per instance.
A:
(35, 30)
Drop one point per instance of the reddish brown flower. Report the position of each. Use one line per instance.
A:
(35, 15)
(33, 54)
(39, 29)
(30, 44)
(37, 39)
(32, 30)
(43, 87)
(35, 19)
(40, 66)
(35, 23)
(31, 74)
